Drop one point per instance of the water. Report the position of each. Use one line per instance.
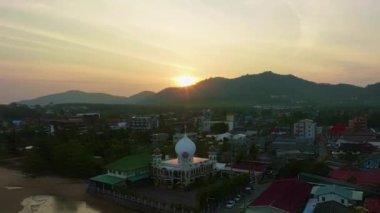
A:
(52, 204)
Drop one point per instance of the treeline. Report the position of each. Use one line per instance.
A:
(333, 115)
(293, 168)
(13, 111)
(71, 154)
(68, 159)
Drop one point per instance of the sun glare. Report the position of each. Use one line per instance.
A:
(185, 80)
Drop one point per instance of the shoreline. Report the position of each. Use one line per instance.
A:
(15, 187)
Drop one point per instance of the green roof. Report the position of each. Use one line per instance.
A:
(138, 177)
(130, 162)
(108, 179)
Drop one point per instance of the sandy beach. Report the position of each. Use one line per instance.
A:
(15, 187)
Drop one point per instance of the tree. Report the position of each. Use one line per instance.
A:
(295, 167)
(73, 160)
(116, 149)
(34, 163)
(219, 128)
(253, 152)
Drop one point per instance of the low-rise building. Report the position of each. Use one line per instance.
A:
(368, 178)
(159, 137)
(129, 169)
(371, 162)
(372, 204)
(358, 124)
(144, 123)
(339, 194)
(333, 206)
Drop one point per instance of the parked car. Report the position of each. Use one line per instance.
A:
(237, 198)
(248, 188)
(230, 204)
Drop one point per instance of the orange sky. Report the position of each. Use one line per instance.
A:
(123, 47)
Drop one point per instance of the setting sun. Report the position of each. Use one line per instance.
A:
(185, 80)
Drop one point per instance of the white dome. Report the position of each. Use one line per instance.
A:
(185, 145)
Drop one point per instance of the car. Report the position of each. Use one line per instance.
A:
(237, 198)
(230, 204)
(248, 188)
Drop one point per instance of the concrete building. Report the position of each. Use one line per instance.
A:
(371, 162)
(159, 137)
(206, 123)
(339, 194)
(144, 123)
(358, 124)
(305, 129)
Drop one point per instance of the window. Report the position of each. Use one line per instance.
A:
(342, 201)
(323, 199)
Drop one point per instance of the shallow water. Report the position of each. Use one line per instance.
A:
(52, 204)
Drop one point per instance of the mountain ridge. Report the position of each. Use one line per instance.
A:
(251, 89)
(77, 96)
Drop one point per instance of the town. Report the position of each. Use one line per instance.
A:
(155, 159)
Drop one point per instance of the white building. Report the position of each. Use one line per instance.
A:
(305, 129)
(144, 123)
(184, 169)
(342, 195)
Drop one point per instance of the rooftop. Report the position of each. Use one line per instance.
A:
(342, 191)
(130, 162)
(372, 204)
(289, 195)
(332, 206)
(369, 178)
(250, 165)
(108, 179)
(319, 180)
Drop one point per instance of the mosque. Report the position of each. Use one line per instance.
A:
(186, 168)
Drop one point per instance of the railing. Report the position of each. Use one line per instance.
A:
(139, 203)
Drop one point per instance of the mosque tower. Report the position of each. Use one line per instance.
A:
(212, 154)
(185, 149)
(156, 158)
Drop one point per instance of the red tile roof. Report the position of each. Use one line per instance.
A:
(289, 195)
(372, 204)
(252, 166)
(369, 178)
(338, 129)
(360, 147)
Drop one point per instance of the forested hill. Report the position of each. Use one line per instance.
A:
(266, 88)
(248, 90)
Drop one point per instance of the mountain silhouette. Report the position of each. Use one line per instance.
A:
(247, 90)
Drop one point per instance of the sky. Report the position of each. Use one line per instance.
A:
(123, 47)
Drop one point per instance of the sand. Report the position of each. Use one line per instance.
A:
(15, 187)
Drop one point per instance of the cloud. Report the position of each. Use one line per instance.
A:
(153, 41)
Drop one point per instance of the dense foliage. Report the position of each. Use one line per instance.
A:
(227, 187)
(293, 168)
